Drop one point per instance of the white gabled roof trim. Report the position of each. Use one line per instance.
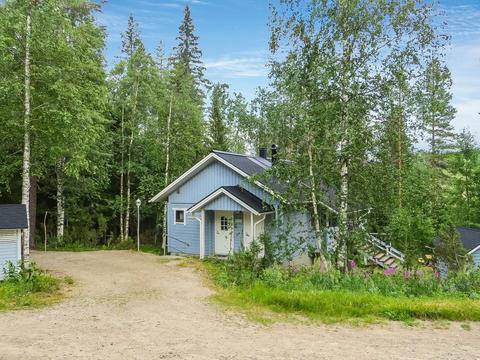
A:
(170, 188)
(474, 250)
(214, 195)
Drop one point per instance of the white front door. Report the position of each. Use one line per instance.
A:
(223, 232)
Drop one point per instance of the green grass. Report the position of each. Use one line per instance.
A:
(331, 297)
(16, 295)
(343, 306)
(77, 247)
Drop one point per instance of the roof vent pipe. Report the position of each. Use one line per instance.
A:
(274, 153)
(262, 152)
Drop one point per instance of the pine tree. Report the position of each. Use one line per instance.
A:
(436, 112)
(218, 127)
(188, 53)
(131, 38)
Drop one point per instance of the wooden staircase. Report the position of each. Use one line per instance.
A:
(382, 254)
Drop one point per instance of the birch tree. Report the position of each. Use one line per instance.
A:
(342, 50)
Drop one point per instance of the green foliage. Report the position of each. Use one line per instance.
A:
(449, 250)
(368, 295)
(25, 286)
(243, 271)
(240, 269)
(341, 306)
(412, 233)
(188, 54)
(218, 128)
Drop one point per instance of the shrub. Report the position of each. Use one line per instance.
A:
(28, 278)
(467, 283)
(241, 268)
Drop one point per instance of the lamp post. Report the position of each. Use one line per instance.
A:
(138, 203)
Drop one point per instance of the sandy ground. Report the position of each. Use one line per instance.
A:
(135, 306)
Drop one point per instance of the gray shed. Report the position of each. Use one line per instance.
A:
(13, 219)
(470, 239)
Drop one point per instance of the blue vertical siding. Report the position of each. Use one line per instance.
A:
(476, 258)
(223, 202)
(210, 179)
(293, 227)
(185, 239)
(209, 233)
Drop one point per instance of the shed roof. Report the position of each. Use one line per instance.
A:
(13, 216)
(469, 237)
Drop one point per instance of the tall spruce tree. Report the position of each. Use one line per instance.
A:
(436, 111)
(436, 114)
(188, 53)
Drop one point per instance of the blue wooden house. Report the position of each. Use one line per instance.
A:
(217, 207)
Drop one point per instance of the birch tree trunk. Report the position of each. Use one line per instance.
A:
(33, 209)
(313, 193)
(122, 173)
(344, 161)
(127, 210)
(316, 213)
(167, 175)
(26, 140)
(129, 162)
(60, 198)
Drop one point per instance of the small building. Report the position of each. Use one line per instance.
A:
(224, 203)
(470, 239)
(13, 220)
(217, 207)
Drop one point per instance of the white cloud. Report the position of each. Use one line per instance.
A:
(462, 20)
(244, 65)
(468, 116)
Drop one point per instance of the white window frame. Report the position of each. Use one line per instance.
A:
(175, 222)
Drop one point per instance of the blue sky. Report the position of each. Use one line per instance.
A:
(234, 39)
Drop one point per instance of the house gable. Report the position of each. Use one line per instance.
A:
(211, 178)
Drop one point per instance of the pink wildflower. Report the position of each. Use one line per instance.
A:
(406, 275)
(389, 271)
(353, 264)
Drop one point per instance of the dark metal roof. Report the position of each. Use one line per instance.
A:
(13, 216)
(248, 198)
(469, 237)
(251, 165)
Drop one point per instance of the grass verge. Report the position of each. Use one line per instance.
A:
(342, 306)
(76, 247)
(17, 295)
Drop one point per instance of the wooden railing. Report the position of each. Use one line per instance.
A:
(386, 247)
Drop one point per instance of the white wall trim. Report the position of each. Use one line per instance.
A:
(474, 250)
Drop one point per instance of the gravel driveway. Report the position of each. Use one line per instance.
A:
(138, 306)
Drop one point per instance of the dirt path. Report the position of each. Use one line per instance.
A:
(136, 306)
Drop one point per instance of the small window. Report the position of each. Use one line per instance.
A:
(224, 223)
(180, 217)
